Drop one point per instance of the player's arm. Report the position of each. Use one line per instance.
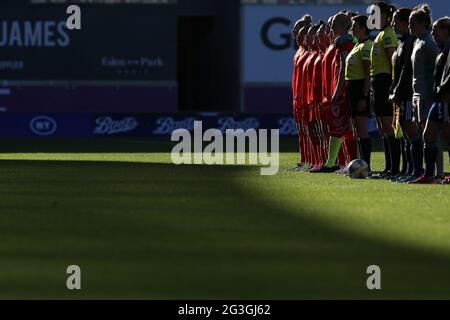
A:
(341, 79)
(362, 104)
(366, 67)
(389, 54)
(404, 79)
(390, 43)
(444, 89)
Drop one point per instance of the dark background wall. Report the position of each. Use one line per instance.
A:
(194, 47)
(212, 58)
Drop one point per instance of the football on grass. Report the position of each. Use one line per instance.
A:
(358, 169)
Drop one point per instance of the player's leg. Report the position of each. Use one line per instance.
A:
(334, 147)
(430, 136)
(319, 146)
(393, 145)
(386, 150)
(409, 129)
(321, 134)
(440, 174)
(364, 141)
(417, 141)
(313, 142)
(398, 110)
(445, 129)
(304, 142)
(403, 113)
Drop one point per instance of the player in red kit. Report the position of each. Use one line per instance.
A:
(310, 104)
(306, 100)
(315, 95)
(299, 31)
(301, 90)
(337, 112)
(327, 63)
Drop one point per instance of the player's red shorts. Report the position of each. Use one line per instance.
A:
(338, 118)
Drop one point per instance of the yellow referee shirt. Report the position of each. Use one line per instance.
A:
(354, 68)
(379, 60)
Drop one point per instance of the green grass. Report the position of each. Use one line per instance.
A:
(140, 227)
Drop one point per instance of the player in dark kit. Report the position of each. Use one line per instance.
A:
(401, 95)
(443, 94)
(438, 117)
(423, 59)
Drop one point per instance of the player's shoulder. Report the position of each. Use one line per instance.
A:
(344, 40)
(389, 37)
(367, 45)
(431, 45)
(366, 50)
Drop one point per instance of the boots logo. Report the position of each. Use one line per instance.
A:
(43, 126)
(108, 126)
(226, 123)
(167, 125)
(287, 126)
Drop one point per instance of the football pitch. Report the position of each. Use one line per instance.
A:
(142, 228)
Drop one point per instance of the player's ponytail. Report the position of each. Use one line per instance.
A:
(422, 14)
(424, 7)
(307, 19)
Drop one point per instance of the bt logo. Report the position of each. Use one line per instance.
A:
(43, 126)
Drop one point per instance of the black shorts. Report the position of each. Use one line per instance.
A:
(439, 112)
(354, 95)
(406, 111)
(381, 85)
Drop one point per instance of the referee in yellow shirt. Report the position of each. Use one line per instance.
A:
(383, 48)
(357, 75)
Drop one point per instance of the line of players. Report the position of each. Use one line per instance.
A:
(344, 73)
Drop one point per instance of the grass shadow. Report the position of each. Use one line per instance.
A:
(158, 231)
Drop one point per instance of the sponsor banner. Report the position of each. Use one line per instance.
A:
(137, 125)
(162, 125)
(267, 44)
(45, 125)
(115, 43)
